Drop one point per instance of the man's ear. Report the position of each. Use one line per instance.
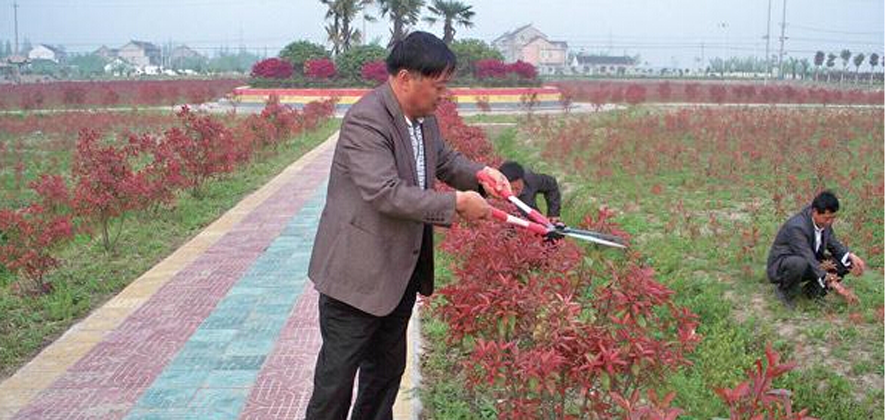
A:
(403, 76)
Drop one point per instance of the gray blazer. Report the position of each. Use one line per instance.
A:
(797, 237)
(369, 239)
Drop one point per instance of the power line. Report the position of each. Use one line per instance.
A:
(835, 41)
(834, 31)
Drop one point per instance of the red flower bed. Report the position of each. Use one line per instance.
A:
(112, 93)
(614, 91)
(113, 175)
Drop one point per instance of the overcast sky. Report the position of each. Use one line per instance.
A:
(662, 32)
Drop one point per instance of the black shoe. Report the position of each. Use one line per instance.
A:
(783, 297)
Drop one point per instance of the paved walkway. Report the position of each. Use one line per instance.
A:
(224, 328)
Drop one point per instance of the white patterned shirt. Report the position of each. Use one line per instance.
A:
(418, 149)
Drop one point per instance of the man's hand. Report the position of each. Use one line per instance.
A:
(471, 206)
(500, 187)
(554, 219)
(828, 265)
(858, 265)
(831, 278)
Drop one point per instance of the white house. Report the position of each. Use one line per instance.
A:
(46, 52)
(603, 64)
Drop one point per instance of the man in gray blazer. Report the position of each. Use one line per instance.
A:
(800, 252)
(374, 245)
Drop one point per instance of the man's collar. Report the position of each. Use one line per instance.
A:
(420, 120)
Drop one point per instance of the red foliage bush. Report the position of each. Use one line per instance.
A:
(490, 69)
(523, 70)
(322, 68)
(754, 398)
(29, 236)
(375, 71)
(106, 184)
(635, 94)
(272, 68)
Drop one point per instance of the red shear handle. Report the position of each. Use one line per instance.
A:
(499, 215)
(525, 224)
(537, 217)
(501, 191)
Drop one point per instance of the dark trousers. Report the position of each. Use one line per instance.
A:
(354, 339)
(794, 271)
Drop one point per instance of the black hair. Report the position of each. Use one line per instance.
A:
(511, 170)
(826, 201)
(423, 53)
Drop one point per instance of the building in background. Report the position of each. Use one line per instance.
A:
(46, 52)
(140, 54)
(603, 65)
(528, 44)
(108, 54)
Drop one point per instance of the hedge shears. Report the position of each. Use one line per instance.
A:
(541, 225)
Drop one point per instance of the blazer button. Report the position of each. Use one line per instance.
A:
(414, 252)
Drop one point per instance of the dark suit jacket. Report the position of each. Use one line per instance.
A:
(797, 237)
(369, 239)
(534, 184)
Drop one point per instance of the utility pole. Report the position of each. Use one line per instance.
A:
(702, 57)
(784, 8)
(768, 73)
(15, 13)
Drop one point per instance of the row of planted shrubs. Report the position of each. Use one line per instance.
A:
(276, 72)
(112, 177)
(555, 330)
(303, 64)
(115, 93)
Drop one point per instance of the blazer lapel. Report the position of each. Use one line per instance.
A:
(430, 136)
(402, 140)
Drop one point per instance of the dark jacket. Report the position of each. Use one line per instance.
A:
(534, 184)
(797, 237)
(369, 240)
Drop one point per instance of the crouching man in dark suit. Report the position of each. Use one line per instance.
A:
(806, 250)
(527, 185)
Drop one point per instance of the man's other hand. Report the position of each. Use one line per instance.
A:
(858, 265)
(500, 187)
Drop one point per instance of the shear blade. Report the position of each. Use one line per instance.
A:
(598, 235)
(593, 239)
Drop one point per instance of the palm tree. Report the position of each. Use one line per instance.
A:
(872, 60)
(792, 64)
(830, 64)
(845, 55)
(858, 60)
(403, 14)
(804, 63)
(451, 11)
(819, 60)
(340, 31)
